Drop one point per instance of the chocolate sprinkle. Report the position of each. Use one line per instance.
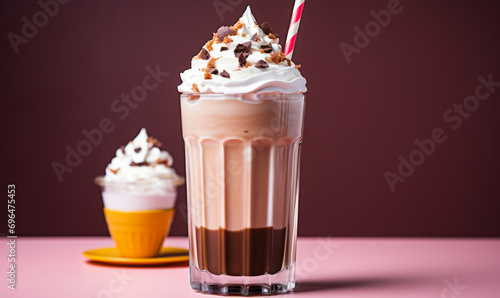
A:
(261, 64)
(243, 48)
(137, 150)
(224, 49)
(247, 45)
(242, 61)
(213, 71)
(224, 31)
(139, 164)
(244, 54)
(225, 74)
(254, 37)
(266, 28)
(204, 54)
(267, 48)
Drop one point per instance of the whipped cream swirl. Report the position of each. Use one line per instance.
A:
(243, 58)
(140, 159)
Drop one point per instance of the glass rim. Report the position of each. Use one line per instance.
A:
(249, 95)
(254, 98)
(176, 181)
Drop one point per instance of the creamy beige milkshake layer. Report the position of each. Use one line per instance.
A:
(245, 149)
(242, 120)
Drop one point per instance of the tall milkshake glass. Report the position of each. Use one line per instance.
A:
(243, 157)
(242, 108)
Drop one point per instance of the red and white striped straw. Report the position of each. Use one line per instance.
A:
(294, 28)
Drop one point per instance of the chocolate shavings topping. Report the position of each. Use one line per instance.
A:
(266, 28)
(213, 71)
(225, 74)
(267, 48)
(242, 60)
(224, 49)
(137, 150)
(261, 64)
(224, 31)
(243, 48)
(139, 164)
(204, 54)
(242, 54)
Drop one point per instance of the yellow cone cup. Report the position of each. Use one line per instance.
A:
(139, 234)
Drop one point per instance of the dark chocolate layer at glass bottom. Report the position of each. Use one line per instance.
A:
(248, 252)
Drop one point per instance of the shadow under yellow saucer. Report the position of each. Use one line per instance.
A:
(111, 255)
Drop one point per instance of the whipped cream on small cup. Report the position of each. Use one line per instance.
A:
(243, 58)
(140, 159)
(140, 177)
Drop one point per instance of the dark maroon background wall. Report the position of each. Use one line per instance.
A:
(361, 116)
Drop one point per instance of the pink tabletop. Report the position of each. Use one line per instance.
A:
(326, 267)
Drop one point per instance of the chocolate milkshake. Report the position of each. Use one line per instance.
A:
(242, 118)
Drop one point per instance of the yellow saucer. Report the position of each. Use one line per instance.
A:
(111, 255)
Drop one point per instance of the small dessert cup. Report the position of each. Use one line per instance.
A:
(139, 214)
